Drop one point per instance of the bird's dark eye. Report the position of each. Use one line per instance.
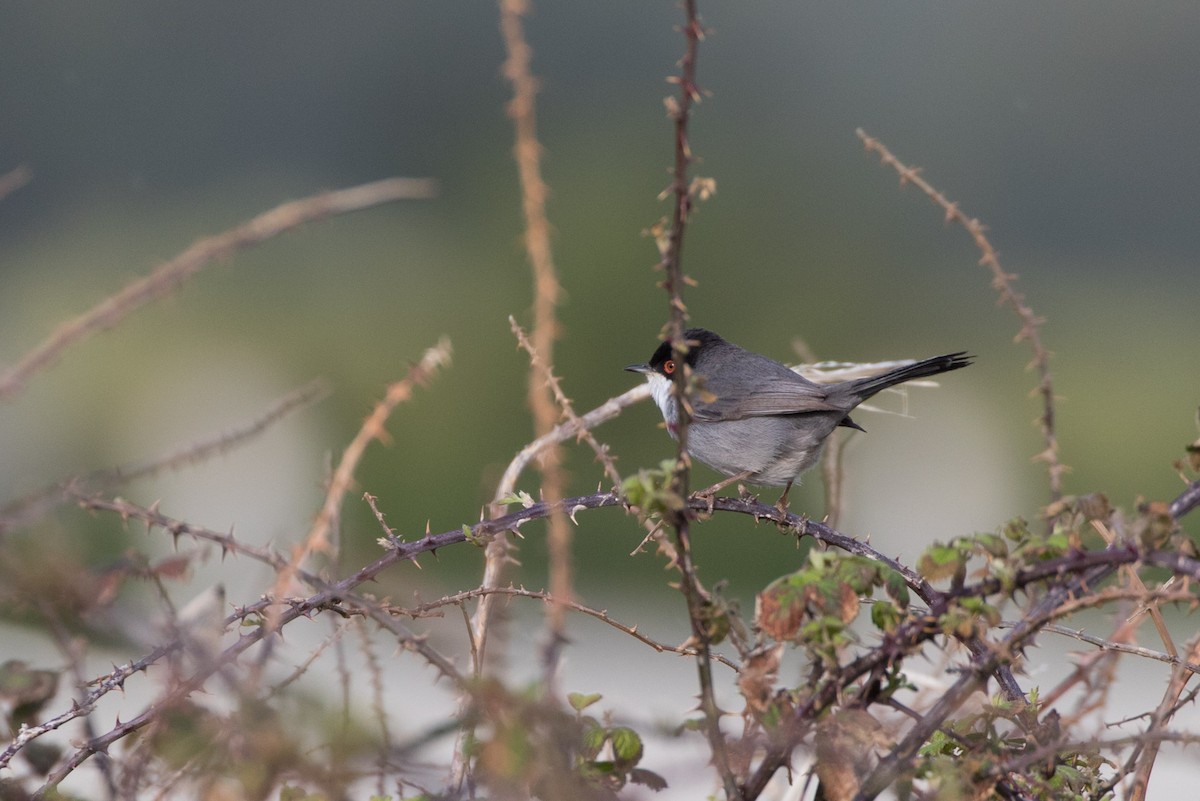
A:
(668, 367)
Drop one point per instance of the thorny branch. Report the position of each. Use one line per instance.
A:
(1146, 752)
(1003, 283)
(566, 407)
(31, 507)
(547, 291)
(170, 276)
(672, 266)
(1088, 567)
(318, 539)
(435, 607)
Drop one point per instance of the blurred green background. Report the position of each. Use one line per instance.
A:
(1069, 129)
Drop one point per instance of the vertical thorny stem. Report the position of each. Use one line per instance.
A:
(1003, 283)
(547, 290)
(546, 294)
(672, 265)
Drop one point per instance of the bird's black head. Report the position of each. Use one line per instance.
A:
(698, 339)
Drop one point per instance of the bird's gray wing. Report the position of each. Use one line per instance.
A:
(775, 390)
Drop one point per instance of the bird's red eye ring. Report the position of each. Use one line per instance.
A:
(669, 367)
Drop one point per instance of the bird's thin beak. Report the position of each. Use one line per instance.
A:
(644, 369)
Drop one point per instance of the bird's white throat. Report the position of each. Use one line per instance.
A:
(660, 390)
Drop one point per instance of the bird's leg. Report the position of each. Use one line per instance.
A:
(782, 503)
(711, 492)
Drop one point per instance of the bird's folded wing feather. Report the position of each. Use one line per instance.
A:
(772, 395)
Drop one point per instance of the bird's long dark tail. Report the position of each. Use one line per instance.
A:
(866, 387)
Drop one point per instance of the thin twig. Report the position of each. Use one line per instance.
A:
(425, 609)
(1115, 645)
(340, 627)
(73, 648)
(566, 407)
(170, 276)
(31, 507)
(559, 534)
(1003, 283)
(374, 673)
(153, 518)
(1089, 567)
(606, 411)
(1135, 581)
(671, 264)
(318, 539)
(527, 151)
(1180, 676)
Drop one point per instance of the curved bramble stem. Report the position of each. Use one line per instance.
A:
(1004, 284)
(170, 276)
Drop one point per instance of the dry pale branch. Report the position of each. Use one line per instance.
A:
(374, 673)
(318, 539)
(1003, 283)
(29, 508)
(1180, 675)
(566, 407)
(167, 278)
(74, 650)
(1117, 646)
(153, 519)
(547, 291)
(606, 411)
(459, 598)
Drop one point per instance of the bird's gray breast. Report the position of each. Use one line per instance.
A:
(775, 449)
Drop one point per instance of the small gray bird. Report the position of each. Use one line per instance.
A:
(757, 420)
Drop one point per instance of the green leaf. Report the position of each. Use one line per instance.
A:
(885, 615)
(627, 745)
(771, 717)
(896, 587)
(1057, 544)
(1069, 776)
(521, 497)
(593, 740)
(938, 743)
(602, 767)
(1017, 529)
(993, 544)
(470, 536)
(940, 562)
(581, 701)
(715, 619)
(650, 490)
